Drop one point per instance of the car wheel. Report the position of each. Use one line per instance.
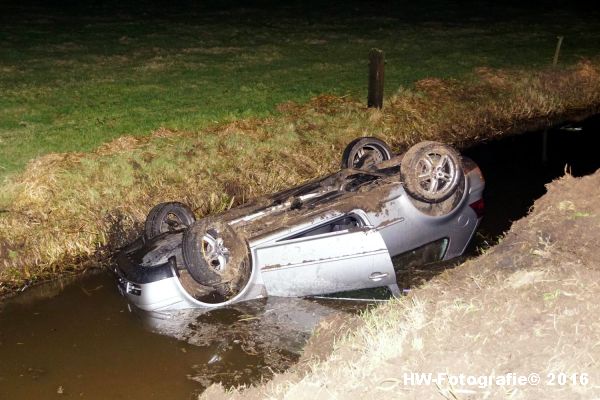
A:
(216, 256)
(168, 217)
(431, 172)
(365, 152)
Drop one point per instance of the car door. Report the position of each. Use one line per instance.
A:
(325, 263)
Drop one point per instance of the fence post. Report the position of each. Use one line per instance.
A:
(557, 50)
(376, 75)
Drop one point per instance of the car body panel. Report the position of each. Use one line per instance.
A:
(403, 228)
(163, 294)
(326, 263)
(297, 248)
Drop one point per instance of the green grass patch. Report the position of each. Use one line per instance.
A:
(66, 211)
(70, 81)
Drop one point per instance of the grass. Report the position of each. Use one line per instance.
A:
(195, 105)
(67, 210)
(509, 311)
(72, 79)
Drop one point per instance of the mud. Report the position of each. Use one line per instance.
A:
(83, 337)
(227, 278)
(286, 211)
(275, 329)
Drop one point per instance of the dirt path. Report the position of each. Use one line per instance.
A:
(527, 308)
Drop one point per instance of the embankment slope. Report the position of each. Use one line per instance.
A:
(527, 306)
(69, 211)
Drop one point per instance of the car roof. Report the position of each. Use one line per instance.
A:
(314, 201)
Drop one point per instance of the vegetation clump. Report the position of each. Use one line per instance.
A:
(68, 210)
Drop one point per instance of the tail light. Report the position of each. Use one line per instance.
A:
(478, 207)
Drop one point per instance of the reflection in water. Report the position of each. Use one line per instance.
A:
(246, 340)
(85, 342)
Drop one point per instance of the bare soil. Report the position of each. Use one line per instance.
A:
(527, 306)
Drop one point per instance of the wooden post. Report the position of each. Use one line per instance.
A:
(376, 72)
(557, 51)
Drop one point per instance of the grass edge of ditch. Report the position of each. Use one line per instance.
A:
(72, 210)
(516, 309)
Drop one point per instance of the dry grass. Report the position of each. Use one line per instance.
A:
(68, 209)
(529, 305)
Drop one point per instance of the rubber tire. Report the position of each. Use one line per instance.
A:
(409, 172)
(354, 146)
(156, 220)
(197, 265)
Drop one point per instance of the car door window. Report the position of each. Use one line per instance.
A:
(427, 254)
(337, 225)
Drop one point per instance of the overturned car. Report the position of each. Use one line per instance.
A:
(350, 230)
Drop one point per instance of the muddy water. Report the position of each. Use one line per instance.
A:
(516, 174)
(81, 339)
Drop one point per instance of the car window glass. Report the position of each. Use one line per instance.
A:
(339, 224)
(429, 253)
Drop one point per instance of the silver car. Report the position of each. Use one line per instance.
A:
(354, 229)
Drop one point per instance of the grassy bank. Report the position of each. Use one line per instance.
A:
(72, 78)
(67, 209)
(527, 306)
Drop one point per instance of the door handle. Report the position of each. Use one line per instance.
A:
(377, 276)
